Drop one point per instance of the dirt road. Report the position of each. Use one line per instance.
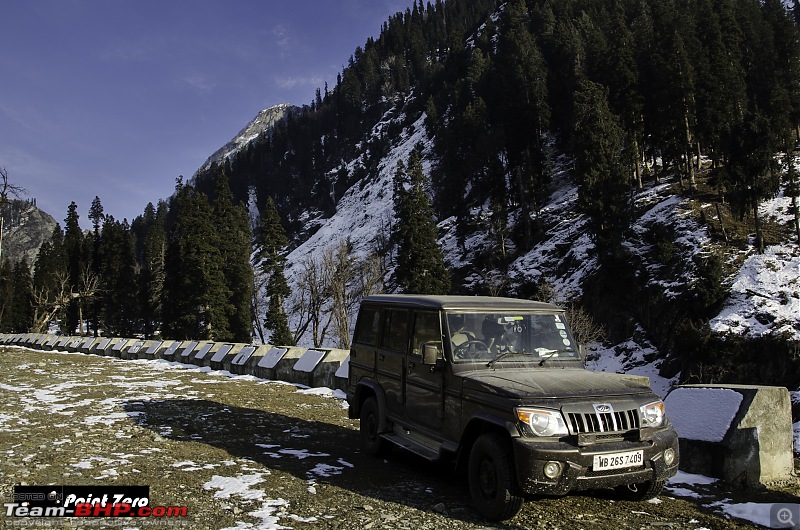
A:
(241, 453)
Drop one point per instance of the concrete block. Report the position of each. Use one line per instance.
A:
(168, 351)
(117, 347)
(51, 342)
(186, 351)
(284, 369)
(152, 349)
(202, 353)
(132, 348)
(218, 356)
(321, 365)
(227, 361)
(240, 362)
(61, 345)
(100, 346)
(741, 434)
(86, 344)
(265, 366)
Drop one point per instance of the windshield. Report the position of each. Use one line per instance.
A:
(506, 336)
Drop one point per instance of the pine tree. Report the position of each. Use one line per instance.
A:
(270, 256)
(22, 313)
(420, 263)
(74, 253)
(196, 298)
(154, 247)
(119, 282)
(6, 295)
(526, 114)
(234, 243)
(604, 186)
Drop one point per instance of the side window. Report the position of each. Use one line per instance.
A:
(395, 328)
(367, 326)
(427, 328)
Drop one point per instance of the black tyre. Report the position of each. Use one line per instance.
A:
(492, 480)
(371, 439)
(642, 491)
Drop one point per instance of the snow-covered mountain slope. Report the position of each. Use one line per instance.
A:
(765, 293)
(261, 124)
(566, 256)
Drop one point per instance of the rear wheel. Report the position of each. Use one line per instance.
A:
(371, 439)
(492, 481)
(641, 491)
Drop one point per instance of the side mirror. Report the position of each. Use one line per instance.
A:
(430, 354)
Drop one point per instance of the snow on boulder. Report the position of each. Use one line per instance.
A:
(741, 434)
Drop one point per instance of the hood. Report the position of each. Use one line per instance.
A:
(558, 383)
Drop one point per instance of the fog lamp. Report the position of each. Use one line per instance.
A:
(552, 469)
(669, 456)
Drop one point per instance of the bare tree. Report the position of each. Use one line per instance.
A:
(338, 267)
(48, 302)
(311, 301)
(7, 189)
(257, 303)
(329, 291)
(583, 326)
(88, 289)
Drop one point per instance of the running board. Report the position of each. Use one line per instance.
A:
(419, 444)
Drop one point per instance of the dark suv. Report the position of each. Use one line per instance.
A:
(500, 386)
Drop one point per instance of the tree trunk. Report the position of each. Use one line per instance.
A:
(793, 189)
(721, 224)
(759, 232)
(638, 164)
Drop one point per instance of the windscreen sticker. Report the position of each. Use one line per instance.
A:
(557, 317)
(563, 334)
(566, 342)
(559, 325)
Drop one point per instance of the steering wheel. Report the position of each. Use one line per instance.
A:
(471, 349)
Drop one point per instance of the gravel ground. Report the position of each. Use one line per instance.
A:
(245, 453)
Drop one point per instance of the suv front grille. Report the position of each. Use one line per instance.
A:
(592, 422)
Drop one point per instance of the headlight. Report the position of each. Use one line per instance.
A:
(652, 414)
(543, 422)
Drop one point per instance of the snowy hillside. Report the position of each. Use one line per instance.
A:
(763, 298)
(765, 294)
(262, 123)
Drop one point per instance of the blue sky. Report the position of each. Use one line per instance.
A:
(117, 98)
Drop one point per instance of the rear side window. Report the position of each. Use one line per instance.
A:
(395, 336)
(369, 320)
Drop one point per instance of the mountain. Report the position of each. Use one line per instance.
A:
(259, 126)
(577, 152)
(25, 228)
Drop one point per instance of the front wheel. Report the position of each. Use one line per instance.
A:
(371, 439)
(492, 480)
(643, 491)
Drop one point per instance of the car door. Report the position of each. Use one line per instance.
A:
(391, 350)
(424, 385)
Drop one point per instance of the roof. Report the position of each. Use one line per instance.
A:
(491, 303)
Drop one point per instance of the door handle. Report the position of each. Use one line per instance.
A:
(411, 367)
(381, 357)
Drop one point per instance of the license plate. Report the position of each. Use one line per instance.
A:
(618, 460)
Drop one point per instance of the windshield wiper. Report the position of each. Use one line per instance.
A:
(499, 356)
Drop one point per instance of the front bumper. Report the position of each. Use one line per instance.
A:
(576, 462)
